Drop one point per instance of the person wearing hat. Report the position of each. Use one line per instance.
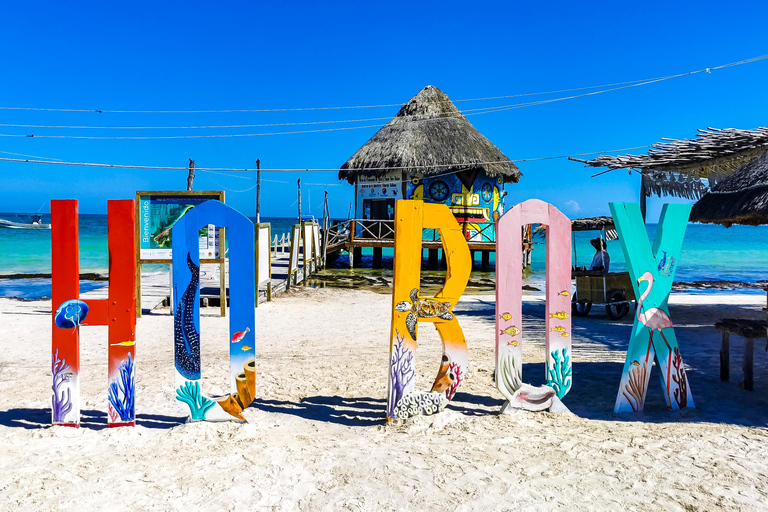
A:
(601, 261)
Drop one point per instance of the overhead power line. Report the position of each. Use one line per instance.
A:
(220, 170)
(645, 80)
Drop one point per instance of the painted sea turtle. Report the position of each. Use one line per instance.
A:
(424, 307)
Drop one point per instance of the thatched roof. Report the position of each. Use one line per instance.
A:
(596, 223)
(713, 151)
(741, 198)
(428, 136)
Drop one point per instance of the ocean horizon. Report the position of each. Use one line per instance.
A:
(738, 254)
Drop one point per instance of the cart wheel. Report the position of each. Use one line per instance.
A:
(616, 311)
(580, 308)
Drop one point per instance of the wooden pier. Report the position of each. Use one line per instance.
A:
(156, 286)
(353, 235)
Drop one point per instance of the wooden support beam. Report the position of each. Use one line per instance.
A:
(749, 351)
(725, 357)
(432, 259)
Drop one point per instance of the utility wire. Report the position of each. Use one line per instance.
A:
(416, 118)
(30, 156)
(474, 111)
(221, 170)
(651, 80)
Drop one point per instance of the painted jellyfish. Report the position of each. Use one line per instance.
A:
(70, 314)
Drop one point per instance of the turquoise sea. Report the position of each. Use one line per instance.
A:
(710, 253)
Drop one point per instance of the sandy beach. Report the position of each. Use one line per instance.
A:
(317, 439)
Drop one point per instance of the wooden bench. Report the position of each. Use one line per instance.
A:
(749, 329)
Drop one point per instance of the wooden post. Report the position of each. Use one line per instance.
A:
(223, 284)
(350, 247)
(299, 184)
(725, 357)
(643, 197)
(432, 259)
(258, 191)
(749, 350)
(191, 175)
(326, 227)
(358, 256)
(377, 257)
(486, 261)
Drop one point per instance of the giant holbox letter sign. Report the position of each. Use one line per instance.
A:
(69, 312)
(653, 335)
(242, 317)
(410, 307)
(509, 304)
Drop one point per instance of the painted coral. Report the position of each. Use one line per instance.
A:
(510, 376)
(190, 394)
(419, 403)
(681, 393)
(62, 396)
(401, 373)
(455, 369)
(121, 392)
(559, 374)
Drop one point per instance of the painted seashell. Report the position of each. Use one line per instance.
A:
(531, 398)
(70, 314)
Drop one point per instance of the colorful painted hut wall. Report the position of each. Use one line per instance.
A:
(474, 198)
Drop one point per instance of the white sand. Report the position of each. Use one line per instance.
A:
(317, 439)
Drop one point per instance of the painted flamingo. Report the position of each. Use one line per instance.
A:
(654, 319)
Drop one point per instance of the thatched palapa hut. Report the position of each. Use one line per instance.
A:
(430, 151)
(741, 198)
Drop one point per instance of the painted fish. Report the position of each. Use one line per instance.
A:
(70, 314)
(559, 328)
(635, 363)
(560, 315)
(124, 344)
(238, 336)
(246, 347)
(511, 330)
(506, 316)
(513, 343)
(564, 293)
(563, 335)
(67, 376)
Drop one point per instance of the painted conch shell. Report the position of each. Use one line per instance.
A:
(531, 398)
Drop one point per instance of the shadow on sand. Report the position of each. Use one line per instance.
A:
(351, 412)
(95, 420)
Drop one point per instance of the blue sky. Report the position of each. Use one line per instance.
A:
(266, 55)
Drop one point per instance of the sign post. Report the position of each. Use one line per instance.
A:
(156, 214)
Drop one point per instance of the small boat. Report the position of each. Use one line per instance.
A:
(36, 222)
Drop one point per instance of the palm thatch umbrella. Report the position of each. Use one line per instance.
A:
(741, 198)
(428, 136)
